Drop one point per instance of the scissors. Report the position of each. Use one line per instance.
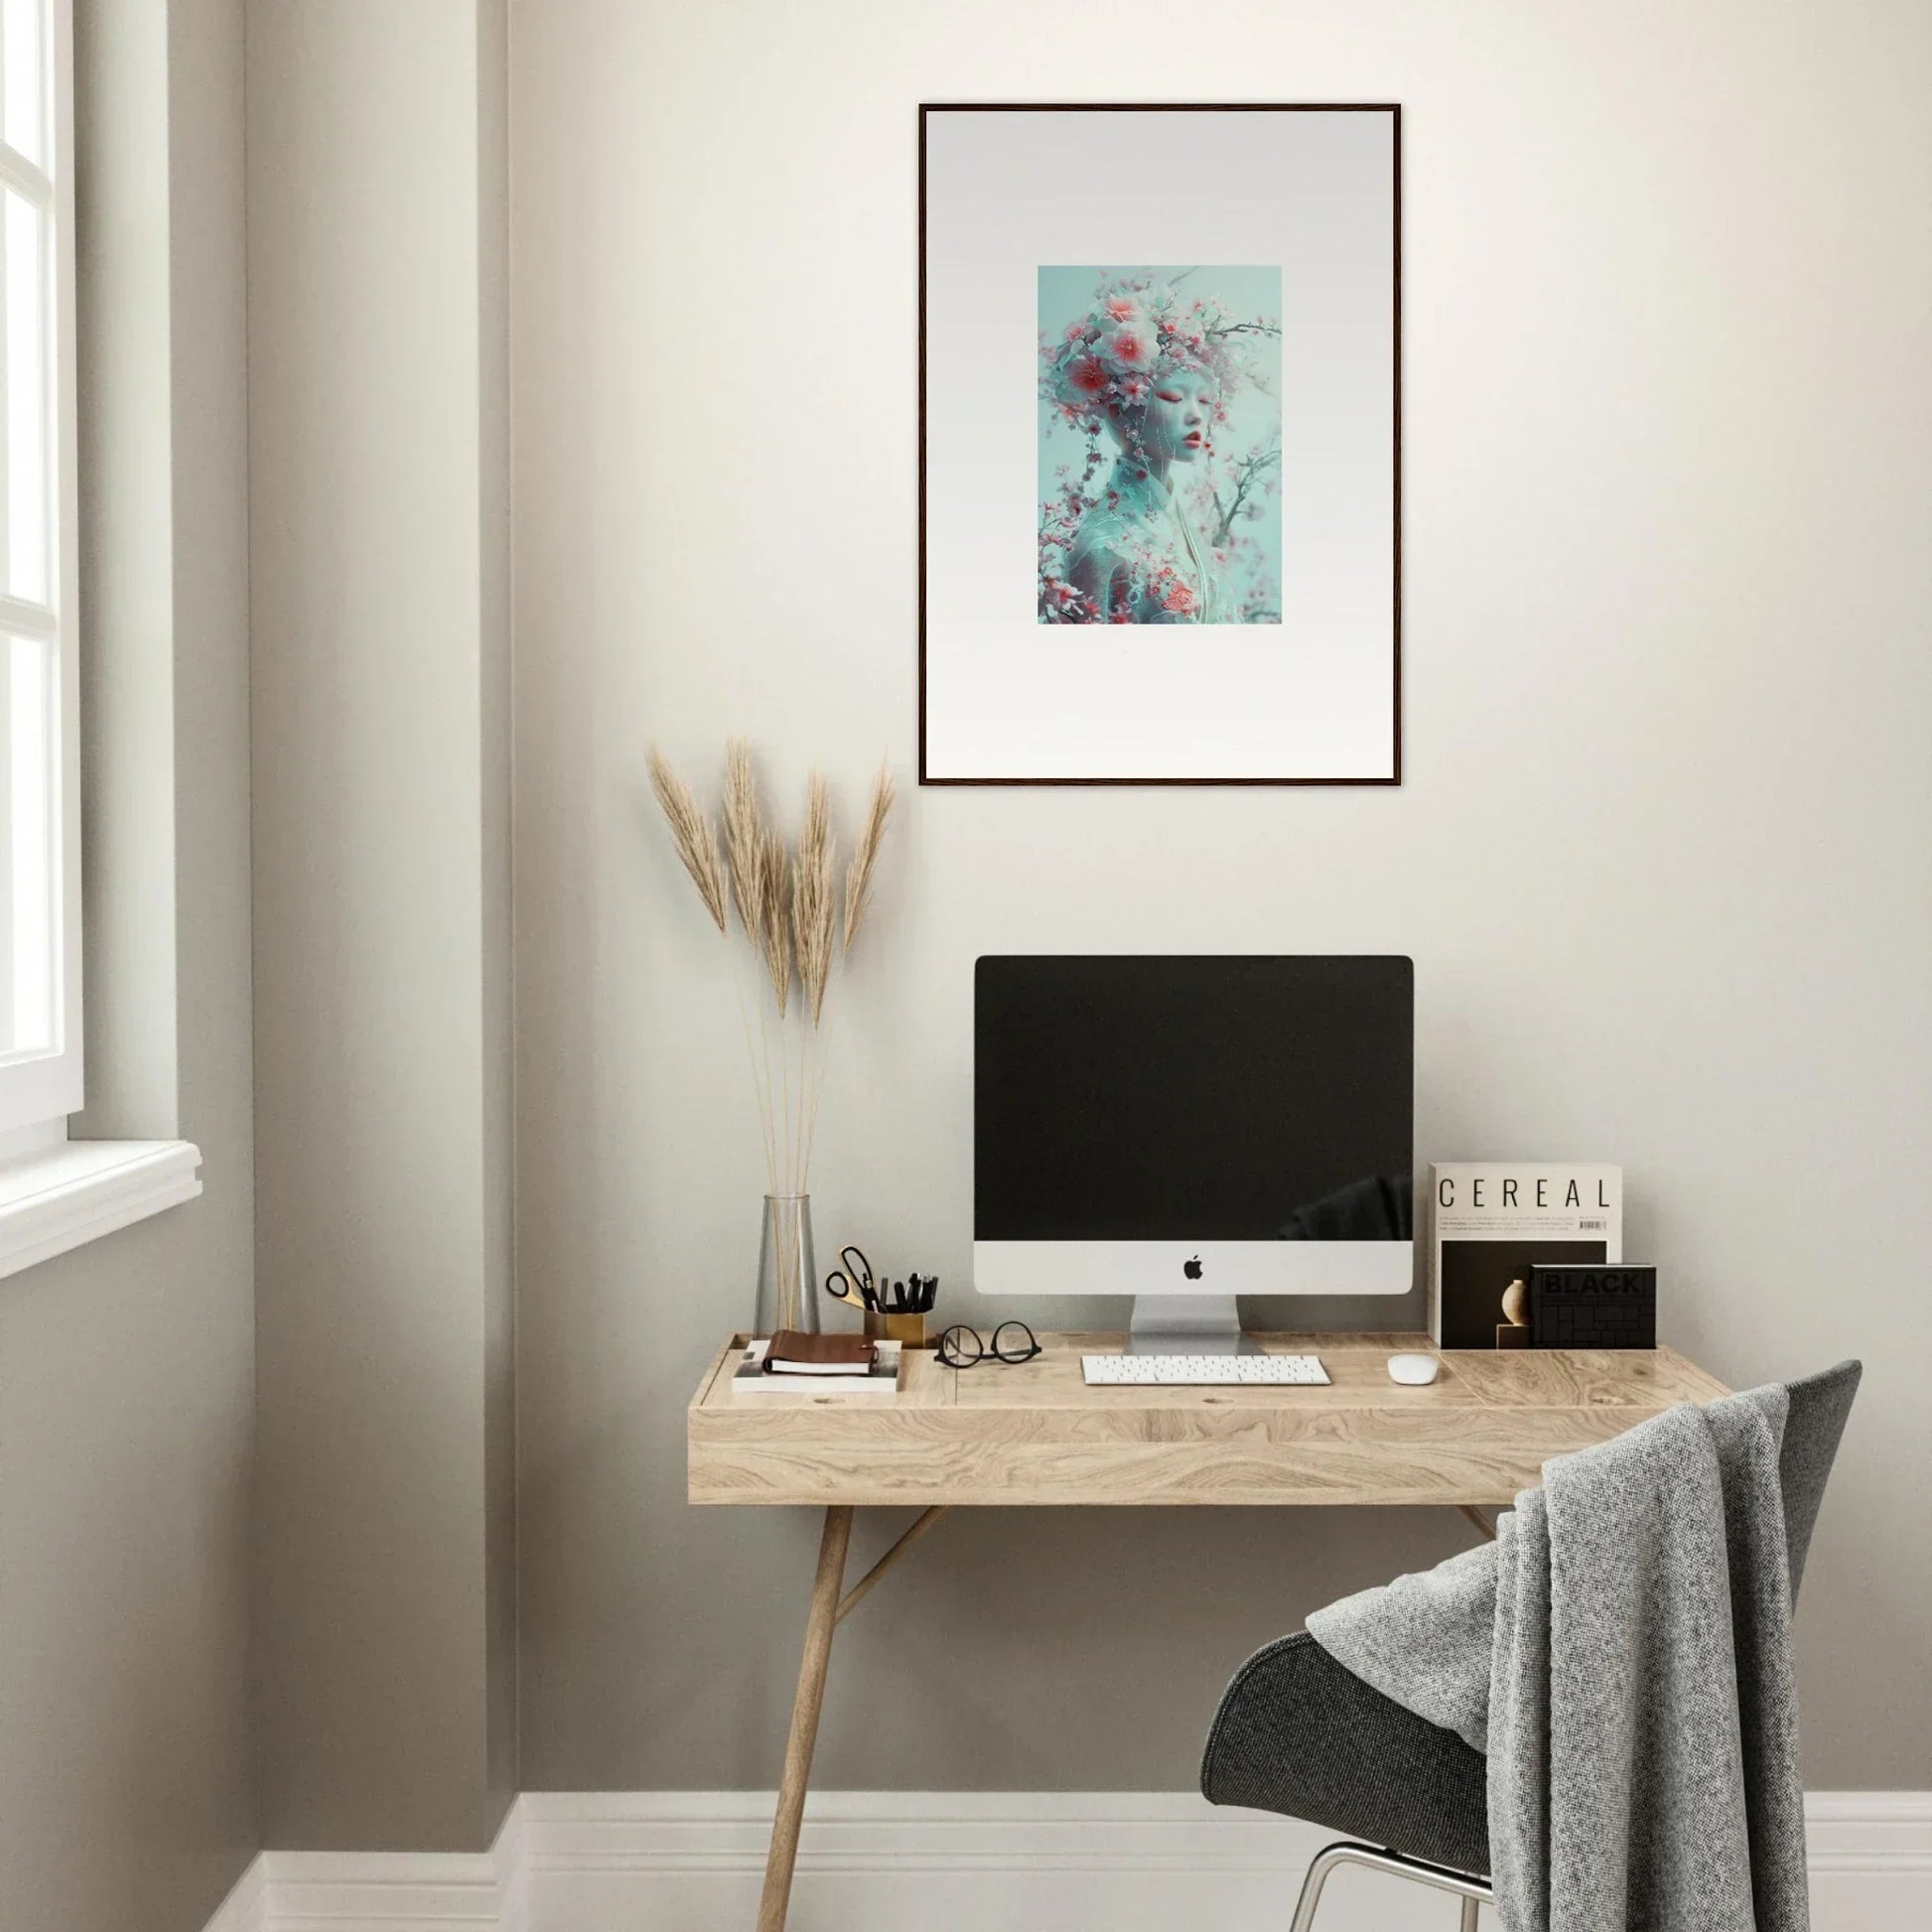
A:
(852, 1281)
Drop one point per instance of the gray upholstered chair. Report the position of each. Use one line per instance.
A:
(1299, 1734)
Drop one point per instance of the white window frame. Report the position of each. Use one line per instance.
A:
(38, 1090)
(56, 1193)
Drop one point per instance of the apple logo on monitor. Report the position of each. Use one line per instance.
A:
(1192, 1269)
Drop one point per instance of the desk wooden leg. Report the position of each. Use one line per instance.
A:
(1478, 1519)
(804, 1718)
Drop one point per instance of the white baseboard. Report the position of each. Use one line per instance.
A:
(956, 1862)
(245, 1909)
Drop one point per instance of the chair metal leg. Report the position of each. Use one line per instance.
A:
(1324, 1862)
(1473, 1891)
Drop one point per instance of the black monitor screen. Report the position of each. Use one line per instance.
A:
(1192, 1098)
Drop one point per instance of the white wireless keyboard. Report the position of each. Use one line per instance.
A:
(1201, 1372)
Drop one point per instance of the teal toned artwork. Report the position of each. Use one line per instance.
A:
(1160, 446)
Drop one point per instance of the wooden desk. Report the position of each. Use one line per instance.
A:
(1032, 1434)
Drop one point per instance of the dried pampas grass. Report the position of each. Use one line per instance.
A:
(744, 838)
(813, 898)
(691, 833)
(858, 875)
(775, 917)
(787, 907)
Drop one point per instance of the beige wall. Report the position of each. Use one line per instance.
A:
(377, 391)
(1659, 855)
(126, 1366)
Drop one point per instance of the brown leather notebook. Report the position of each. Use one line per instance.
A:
(794, 1354)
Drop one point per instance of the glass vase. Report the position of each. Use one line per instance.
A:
(788, 1274)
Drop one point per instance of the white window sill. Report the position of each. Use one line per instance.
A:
(78, 1190)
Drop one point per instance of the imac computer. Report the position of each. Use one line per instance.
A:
(1185, 1129)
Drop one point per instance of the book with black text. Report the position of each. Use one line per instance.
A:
(1490, 1221)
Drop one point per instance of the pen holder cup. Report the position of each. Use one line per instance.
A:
(908, 1329)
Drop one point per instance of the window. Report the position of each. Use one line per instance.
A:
(55, 1193)
(40, 846)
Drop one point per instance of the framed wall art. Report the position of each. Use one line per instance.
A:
(1159, 445)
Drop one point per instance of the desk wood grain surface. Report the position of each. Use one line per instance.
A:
(1035, 1435)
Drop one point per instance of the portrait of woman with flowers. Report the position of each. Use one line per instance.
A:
(1161, 446)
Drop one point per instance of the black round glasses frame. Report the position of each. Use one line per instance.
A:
(962, 1348)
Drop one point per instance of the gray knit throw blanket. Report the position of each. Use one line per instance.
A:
(1622, 1653)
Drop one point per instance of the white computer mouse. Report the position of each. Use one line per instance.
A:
(1415, 1370)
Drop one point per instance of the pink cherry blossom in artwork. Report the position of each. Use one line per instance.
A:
(1120, 306)
(1130, 347)
(1179, 599)
(1089, 375)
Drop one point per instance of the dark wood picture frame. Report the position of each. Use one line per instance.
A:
(1394, 110)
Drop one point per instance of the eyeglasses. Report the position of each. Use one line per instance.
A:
(1013, 1341)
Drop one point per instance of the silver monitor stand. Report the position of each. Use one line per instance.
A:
(1187, 1324)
